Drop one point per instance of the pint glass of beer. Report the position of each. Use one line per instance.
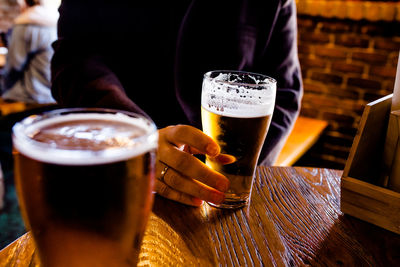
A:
(236, 111)
(84, 179)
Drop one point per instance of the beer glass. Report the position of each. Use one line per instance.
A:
(236, 111)
(84, 179)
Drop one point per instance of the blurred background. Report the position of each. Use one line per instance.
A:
(11, 225)
(348, 52)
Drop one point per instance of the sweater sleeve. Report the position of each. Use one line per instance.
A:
(81, 75)
(280, 61)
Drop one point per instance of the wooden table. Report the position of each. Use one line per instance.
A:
(294, 219)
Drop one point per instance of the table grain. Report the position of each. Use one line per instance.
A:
(294, 219)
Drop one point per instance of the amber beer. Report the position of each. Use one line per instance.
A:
(236, 111)
(84, 181)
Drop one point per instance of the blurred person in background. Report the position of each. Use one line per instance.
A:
(26, 79)
(27, 70)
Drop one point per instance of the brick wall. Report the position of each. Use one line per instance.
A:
(345, 64)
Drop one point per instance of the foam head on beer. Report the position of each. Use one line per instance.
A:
(238, 95)
(84, 138)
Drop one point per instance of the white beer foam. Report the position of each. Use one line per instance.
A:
(233, 99)
(50, 153)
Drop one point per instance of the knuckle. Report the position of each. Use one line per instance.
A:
(163, 190)
(170, 128)
(174, 180)
(169, 154)
(163, 152)
(166, 132)
(207, 176)
(183, 198)
(182, 130)
(204, 194)
(182, 161)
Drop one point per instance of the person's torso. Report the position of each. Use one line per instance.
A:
(161, 51)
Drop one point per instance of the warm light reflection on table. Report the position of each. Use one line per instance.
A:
(294, 219)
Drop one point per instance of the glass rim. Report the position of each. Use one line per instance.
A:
(271, 81)
(21, 136)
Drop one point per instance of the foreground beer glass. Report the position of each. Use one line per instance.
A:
(84, 179)
(236, 111)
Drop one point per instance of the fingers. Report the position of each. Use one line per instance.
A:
(190, 166)
(188, 180)
(178, 182)
(196, 139)
(223, 159)
(164, 190)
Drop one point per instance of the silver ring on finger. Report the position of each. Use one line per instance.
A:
(162, 175)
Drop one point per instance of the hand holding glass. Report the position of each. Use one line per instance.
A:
(236, 110)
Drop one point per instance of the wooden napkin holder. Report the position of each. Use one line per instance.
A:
(361, 196)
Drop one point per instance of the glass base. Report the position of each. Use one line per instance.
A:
(230, 204)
